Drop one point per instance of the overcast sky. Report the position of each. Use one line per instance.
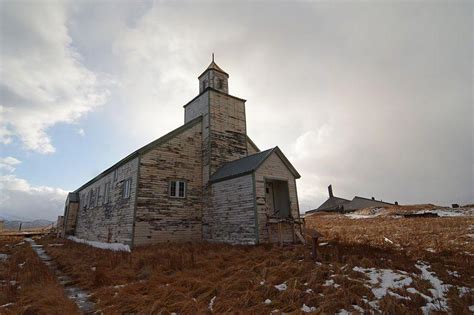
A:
(373, 97)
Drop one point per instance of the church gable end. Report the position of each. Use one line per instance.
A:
(162, 216)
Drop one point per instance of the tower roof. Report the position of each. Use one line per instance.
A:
(214, 66)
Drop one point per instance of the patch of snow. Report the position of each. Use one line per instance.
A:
(22, 264)
(281, 287)
(471, 308)
(360, 216)
(101, 245)
(6, 305)
(323, 244)
(382, 280)
(448, 213)
(268, 301)
(388, 240)
(431, 250)
(55, 245)
(463, 291)
(275, 311)
(358, 308)
(453, 273)
(441, 303)
(3, 257)
(211, 303)
(398, 296)
(470, 235)
(309, 291)
(308, 309)
(343, 312)
(262, 282)
(331, 283)
(305, 284)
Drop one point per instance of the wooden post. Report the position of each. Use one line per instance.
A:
(314, 242)
(280, 238)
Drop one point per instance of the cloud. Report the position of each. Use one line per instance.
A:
(374, 99)
(43, 79)
(19, 199)
(8, 164)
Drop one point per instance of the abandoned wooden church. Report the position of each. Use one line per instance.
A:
(205, 180)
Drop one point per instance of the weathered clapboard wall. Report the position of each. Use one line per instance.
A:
(69, 221)
(228, 131)
(111, 221)
(274, 168)
(232, 216)
(251, 148)
(224, 140)
(159, 217)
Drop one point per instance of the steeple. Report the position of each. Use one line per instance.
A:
(214, 77)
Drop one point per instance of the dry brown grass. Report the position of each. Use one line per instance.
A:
(184, 278)
(419, 238)
(28, 284)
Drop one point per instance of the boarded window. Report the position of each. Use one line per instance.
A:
(97, 195)
(220, 84)
(106, 197)
(127, 185)
(177, 189)
(89, 199)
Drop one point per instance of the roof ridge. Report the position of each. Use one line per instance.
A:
(141, 150)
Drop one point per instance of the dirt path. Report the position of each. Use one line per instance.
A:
(79, 296)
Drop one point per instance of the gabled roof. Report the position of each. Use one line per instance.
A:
(369, 199)
(214, 66)
(332, 203)
(248, 165)
(143, 149)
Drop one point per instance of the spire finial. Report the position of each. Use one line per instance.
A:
(212, 57)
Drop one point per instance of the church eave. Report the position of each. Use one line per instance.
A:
(142, 150)
(214, 90)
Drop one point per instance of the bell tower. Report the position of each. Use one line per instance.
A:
(214, 77)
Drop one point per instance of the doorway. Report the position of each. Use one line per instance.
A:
(277, 198)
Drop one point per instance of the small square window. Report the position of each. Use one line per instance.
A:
(177, 189)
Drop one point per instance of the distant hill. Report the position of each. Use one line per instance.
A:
(15, 224)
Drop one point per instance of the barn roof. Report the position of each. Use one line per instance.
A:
(248, 165)
(332, 203)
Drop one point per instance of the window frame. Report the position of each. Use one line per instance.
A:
(89, 198)
(176, 183)
(106, 198)
(97, 191)
(126, 193)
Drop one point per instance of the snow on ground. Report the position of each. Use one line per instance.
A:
(110, 246)
(446, 212)
(211, 303)
(330, 283)
(308, 309)
(281, 287)
(343, 312)
(268, 301)
(382, 280)
(439, 301)
(3, 257)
